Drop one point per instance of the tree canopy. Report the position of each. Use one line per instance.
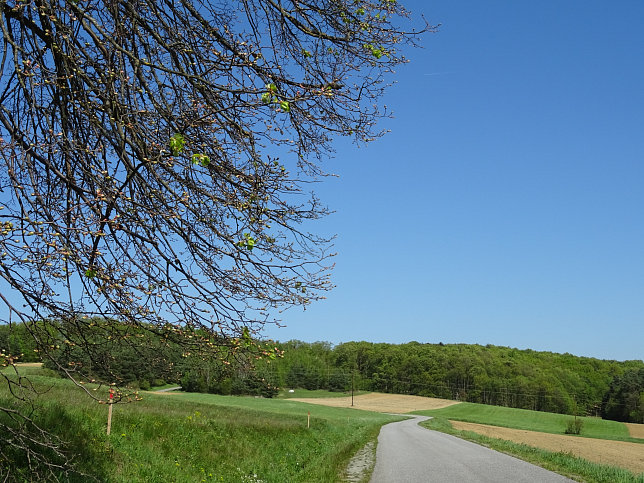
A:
(156, 158)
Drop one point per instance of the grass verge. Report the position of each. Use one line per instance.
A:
(563, 463)
(197, 437)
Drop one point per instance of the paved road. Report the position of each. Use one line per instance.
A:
(409, 453)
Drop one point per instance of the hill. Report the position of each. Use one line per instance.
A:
(502, 376)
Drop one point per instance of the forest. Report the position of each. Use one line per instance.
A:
(528, 379)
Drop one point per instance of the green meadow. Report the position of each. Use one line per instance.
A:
(196, 437)
(532, 420)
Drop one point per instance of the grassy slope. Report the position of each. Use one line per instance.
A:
(198, 437)
(531, 420)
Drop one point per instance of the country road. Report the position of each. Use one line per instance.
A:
(408, 453)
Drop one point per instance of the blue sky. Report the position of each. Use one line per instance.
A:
(506, 205)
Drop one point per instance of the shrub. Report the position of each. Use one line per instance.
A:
(574, 426)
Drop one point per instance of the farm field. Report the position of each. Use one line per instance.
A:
(636, 430)
(614, 453)
(531, 420)
(384, 403)
(603, 442)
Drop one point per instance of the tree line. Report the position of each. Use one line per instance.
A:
(528, 379)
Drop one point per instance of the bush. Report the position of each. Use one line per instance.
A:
(574, 426)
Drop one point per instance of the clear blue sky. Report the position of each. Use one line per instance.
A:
(507, 204)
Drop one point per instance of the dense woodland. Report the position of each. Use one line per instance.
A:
(528, 379)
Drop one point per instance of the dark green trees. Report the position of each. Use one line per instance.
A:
(624, 401)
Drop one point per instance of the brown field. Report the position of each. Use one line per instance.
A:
(382, 403)
(636, 430)
(614, 453)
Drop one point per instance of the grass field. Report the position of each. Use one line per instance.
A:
(532, 421)
(199, 437)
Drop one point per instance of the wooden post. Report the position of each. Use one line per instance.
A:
(109, 411)
(308, 420)
(352, 374)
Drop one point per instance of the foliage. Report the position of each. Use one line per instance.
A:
(140, 146)
(574, 426)
(624, 401)
(17, 342)
(542, 381)
(156, 157)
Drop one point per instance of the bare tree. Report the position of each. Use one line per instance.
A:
(157, 156)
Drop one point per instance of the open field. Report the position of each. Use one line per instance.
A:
(601, 447)
(196, 437)
(384, 403)
(532, 420)
(615, 453)
(635, 430)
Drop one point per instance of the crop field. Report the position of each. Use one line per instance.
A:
(384, 403)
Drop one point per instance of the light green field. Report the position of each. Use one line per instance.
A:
(531, 420)
(199, 437)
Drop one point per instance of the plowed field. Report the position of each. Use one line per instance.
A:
(615, 453)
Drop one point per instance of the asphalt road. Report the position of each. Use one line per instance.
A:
(409, 453)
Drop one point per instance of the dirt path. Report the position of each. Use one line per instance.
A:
(616, 453)
(382, 403)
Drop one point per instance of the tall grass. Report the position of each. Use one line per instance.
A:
(198, 437)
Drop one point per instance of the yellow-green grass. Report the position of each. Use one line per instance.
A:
(532, 420)
(563, 463)
(198, 437)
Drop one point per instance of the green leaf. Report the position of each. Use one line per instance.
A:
(90, 273)
(285, 106)
(177, 143)
(266, 97)
(200, 159)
